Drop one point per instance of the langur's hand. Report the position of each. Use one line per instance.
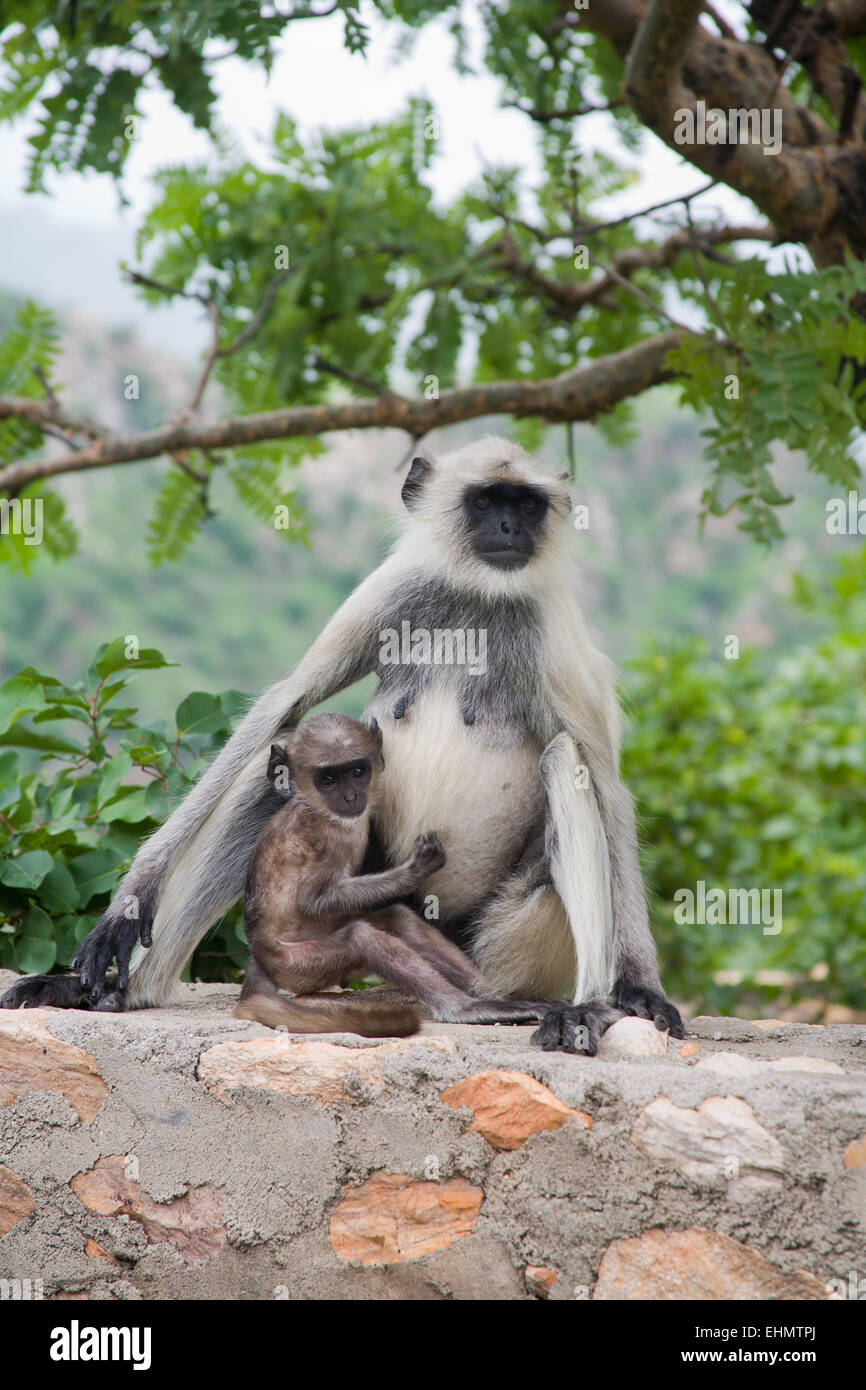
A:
(428, 854)
(113, 938)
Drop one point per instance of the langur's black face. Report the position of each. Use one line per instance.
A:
(344, 787)
(506, 523)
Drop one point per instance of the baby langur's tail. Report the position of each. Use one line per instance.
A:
(330, 1013)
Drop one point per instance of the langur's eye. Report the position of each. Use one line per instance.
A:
(358, 771)
(483, 500)
(328, 779)
(529, 504)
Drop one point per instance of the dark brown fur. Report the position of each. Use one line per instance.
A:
(312, 922)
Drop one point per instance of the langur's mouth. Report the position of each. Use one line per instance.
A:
(506, 559)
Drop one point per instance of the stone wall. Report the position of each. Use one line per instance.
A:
(185, 1153)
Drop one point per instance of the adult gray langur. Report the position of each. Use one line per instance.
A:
(511, 756)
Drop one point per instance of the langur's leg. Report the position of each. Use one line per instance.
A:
(435, 948)
(378, 940)
(523, 943)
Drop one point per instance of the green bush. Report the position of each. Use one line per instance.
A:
(749, 777)
(76, 802)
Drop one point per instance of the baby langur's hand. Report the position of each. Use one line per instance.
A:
(428, 854)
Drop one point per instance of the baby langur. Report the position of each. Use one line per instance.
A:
(312, 921)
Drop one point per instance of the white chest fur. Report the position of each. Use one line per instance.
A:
(476, 785)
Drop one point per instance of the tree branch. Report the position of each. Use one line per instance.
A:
(50, 413)
(804, 189)
(579, 394)
(574, 296)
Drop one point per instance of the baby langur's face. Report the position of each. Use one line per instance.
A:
(344, 787)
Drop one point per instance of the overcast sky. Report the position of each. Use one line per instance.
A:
(319, 83)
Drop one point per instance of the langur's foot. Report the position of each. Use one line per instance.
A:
(46, 991)
(640, 1002)
(574, 1027)
(63, 992)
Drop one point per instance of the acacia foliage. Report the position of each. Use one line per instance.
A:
(400, 291)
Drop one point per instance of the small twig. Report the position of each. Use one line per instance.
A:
(355, 378)
(189, 470)
(510, 220)
(216, 352)
(645, 212)
(210, 360)
(649, 303)
(570, 113)
(149, 283)
(711, 299)
(259, 316)
(721, 23)
(410, 452)
(45, 384)
(790, 57)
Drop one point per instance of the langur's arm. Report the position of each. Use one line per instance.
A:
(357, 896)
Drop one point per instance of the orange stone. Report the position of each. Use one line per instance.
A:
(16, 1199)
(391, 1218)
(94, 1251)
(191, 1223)
(690, 1049)
(855, 1153)
(540, 1279)
(32, 1059)
(510, 1106)
(317, 1071)
(696, 1264)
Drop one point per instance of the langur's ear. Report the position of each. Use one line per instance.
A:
(377, 734)
(416, 479)
(564, 476)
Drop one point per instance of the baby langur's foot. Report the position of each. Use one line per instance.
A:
(489, 1011)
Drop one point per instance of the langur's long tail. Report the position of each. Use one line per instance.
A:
(579, 864)
(330, 1014)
